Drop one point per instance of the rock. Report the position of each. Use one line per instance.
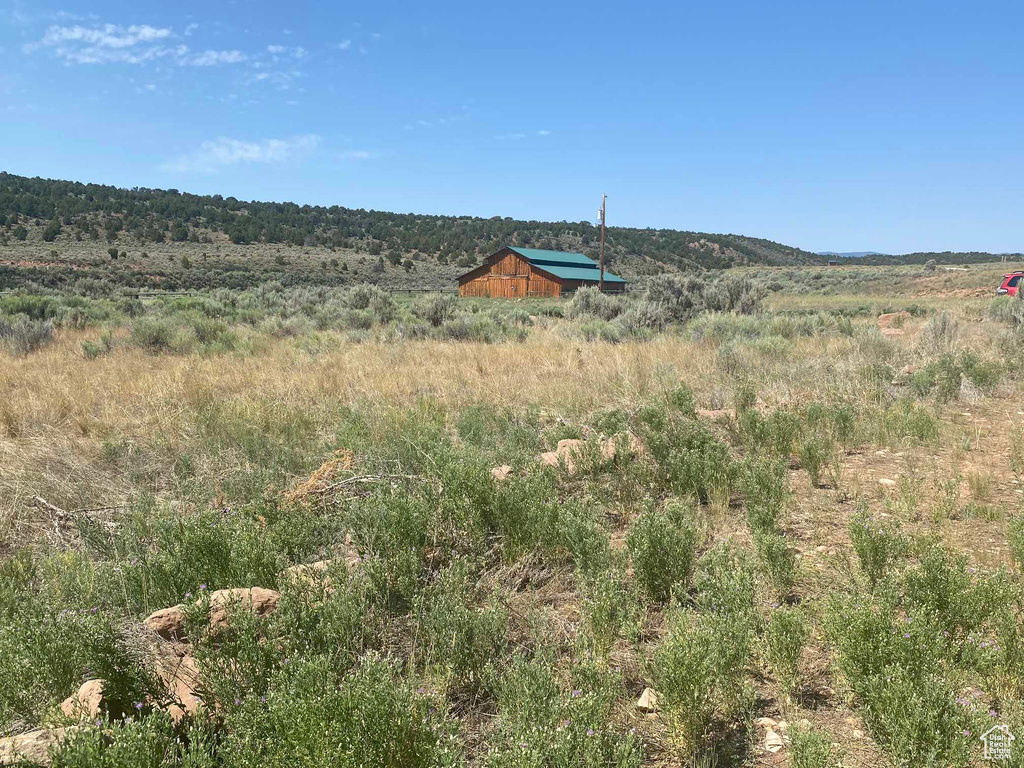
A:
(309, 575)
(567, 446)
(87, 703)
(782, 726)
(892, 318)
(857, 734)
(909, 370)
(500, 473)
(887, 482)
(892, 331)
(549, 459)
(569, 450)
(773, 742)
(169, 623)
(179, 673)
(257, 599)
(33, 747)
(610, 446)
(764, 722)
(712, 414)
(648, 701)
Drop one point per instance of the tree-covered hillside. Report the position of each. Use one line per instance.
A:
(139, 216)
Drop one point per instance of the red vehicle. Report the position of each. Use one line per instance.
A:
(1010, 284)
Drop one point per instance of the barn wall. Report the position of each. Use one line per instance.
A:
(509, 276)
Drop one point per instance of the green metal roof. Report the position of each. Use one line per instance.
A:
(561, 257)
(580, 273)
(568, 266)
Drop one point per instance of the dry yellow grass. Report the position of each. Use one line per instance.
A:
(58, 409)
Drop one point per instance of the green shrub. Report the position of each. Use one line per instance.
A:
(148, 741)
(811, 748)
(543, 722)
(662, 544)
(941, 590)
(697, 670)
(155, 335)
(436, 310)
(23, 335)
(691, 461)
(774, 435)
(878, 546)
(917, 721)
(816, 451)
(725, 581)
(786, 632)
(459, 639)
(600, 330)
(777, 559)
(589, 302)
(685, 671)
(608, 608)
(766, 488)
(939, 335)
(337, 617)
(368, 717)
(1015, 536)
(684, 297)
(642, 319)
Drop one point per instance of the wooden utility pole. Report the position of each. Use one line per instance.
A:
(604, 210)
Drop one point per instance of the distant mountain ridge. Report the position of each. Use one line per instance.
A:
(874, 258)
(155, 215)
(852, 254)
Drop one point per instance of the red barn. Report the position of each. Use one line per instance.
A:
(517, 273)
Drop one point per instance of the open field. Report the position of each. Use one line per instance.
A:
(797, 524)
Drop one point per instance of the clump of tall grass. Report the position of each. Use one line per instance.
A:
(940, 334)
(722, 328)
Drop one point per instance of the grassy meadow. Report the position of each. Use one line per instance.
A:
(798, 525)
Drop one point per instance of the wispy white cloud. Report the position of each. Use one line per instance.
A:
(191, 28)
(212, 58)
(520, 135)
(359, 154)
(211, 156)
(135, 44)
(344, 45)
(105, 35)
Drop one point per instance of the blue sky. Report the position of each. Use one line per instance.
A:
(892, 126)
